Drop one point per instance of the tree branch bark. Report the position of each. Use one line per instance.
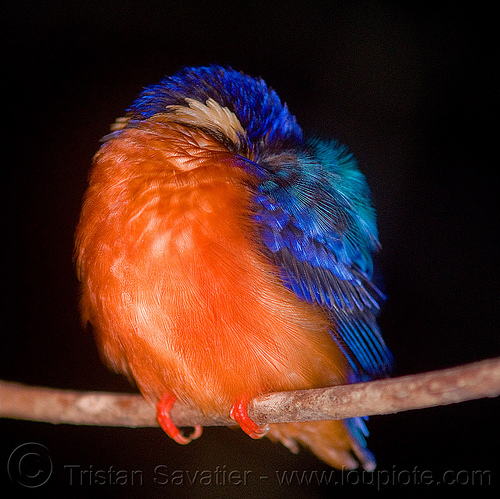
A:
(448, 386)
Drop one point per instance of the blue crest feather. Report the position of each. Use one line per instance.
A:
(257, 107)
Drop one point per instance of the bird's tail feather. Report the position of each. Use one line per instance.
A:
(331, 441)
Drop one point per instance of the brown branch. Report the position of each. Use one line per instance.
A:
(458, 384)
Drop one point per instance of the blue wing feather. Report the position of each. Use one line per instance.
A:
(318, 224)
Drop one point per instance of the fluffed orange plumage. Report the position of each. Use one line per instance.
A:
(182, 298)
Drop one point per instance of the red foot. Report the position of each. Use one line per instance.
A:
(240, 415)
(163, 416)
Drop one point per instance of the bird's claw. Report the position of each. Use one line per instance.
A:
(163, 416)
(240, 415)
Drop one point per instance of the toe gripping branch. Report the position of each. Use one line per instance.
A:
(240, 414)
(163, 416)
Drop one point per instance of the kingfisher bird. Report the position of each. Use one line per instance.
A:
(223, 255)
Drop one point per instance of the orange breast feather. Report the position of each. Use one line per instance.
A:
(181, 296)
(173, 277)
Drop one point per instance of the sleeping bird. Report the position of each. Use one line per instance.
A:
(223, 255)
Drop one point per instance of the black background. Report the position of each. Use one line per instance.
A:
(413, 91)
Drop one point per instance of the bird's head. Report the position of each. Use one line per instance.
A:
(239, 111)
